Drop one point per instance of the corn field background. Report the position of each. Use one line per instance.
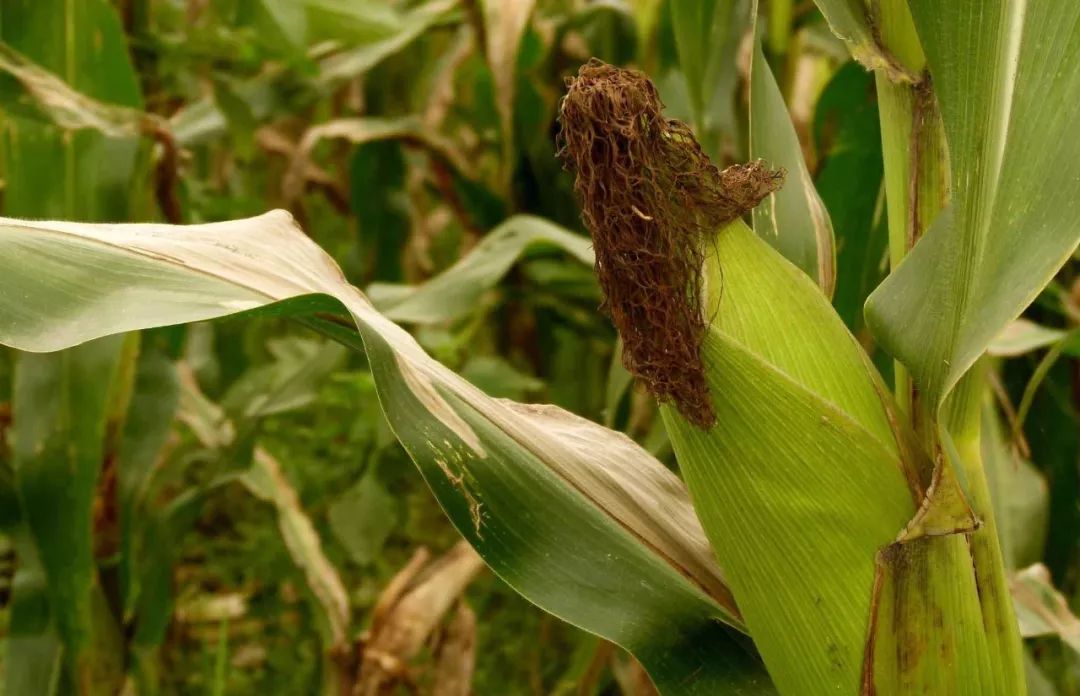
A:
(351, 413)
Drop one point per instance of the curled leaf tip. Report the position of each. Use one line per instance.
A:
(651, 199)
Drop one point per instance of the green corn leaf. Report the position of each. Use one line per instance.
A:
(698, 27)
(1023, 336)
(505, 24)
(360, 58)
(579, 519)
(457, 291)
(707, 35)
(82, 161)
(202, 121)
(849, 179)
(792, 219)
(75, 75)
(1041, 608)
(301, 23)
(352, 23)
(67, 108)
(1019, 494)
(1009, 107)
(60, 409)
(289, 383)
(146, 428)
(33, 659)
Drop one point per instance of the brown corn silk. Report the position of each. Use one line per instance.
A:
(651, 200)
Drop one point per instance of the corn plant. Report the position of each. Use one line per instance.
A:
(830, 532)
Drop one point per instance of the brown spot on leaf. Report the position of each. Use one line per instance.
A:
(651, 199)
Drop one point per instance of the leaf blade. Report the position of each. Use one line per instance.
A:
(793, 219)
(446, 424)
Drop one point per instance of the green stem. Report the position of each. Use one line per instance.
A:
(962, 418)
(916, 188)
(781, 15)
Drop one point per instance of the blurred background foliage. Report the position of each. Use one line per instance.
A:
(412, 139)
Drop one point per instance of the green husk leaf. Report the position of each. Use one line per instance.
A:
(801, 481)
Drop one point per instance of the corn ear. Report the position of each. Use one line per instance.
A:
(814, 498)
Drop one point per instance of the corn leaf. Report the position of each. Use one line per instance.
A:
(60, 407)
(266, 481)
(505, 24)
(522, 483)
(146, 428)
(1023, 336)
(700, 27)
(793, 219)
(1019, 493)
(849, 179)
(64, 106)
(33, 647)
(1041, 609)
(458, 290)
(357, 131)
(203, 120)
(71, 57)
(707, 37)
(1009, 98)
